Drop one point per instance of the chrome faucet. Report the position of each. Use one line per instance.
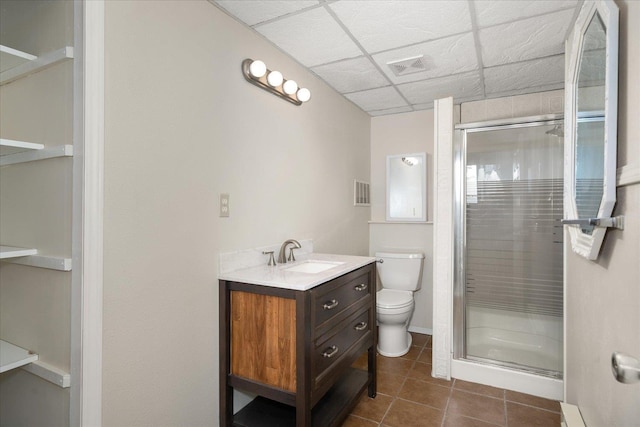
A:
(282, 258)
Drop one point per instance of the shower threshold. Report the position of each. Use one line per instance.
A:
(516, 367)
(519, 380)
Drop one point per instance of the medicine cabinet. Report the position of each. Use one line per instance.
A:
(407, 187)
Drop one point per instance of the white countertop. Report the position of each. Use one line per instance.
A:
(278, 277)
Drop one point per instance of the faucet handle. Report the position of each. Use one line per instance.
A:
(272, 261)
(292, 257)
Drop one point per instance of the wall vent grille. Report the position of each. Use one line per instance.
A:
(361, 193)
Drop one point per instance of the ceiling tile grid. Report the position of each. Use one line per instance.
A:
(468, 49)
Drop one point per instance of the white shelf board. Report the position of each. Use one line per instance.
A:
(13, 252)
(10, 146)
(43, 261)
(12, 356)
(35, 65)
(11, 58)
(33, 155)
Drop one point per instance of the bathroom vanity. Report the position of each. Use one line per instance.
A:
(290, 334)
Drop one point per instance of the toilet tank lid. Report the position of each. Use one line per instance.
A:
(399, 255)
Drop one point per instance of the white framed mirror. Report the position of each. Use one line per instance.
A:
(591, 101)
(407, 187)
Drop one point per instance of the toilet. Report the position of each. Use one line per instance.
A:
(400, 276)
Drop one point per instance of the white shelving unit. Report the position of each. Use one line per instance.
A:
(15, 64)
(12, 356)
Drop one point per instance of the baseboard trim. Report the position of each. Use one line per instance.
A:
(418, 330)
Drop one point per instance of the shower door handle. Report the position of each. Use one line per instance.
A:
(615, 222)
(625, 368)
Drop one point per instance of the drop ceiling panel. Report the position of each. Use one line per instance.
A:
(544, 72)
(377, 99)
(459, 86)
(255, 12)
(443, 57)
(526, 39)
(312, 37)
(351, 75)
(381, 25)
(492, 12)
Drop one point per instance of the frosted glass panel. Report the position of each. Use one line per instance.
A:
(513, 284)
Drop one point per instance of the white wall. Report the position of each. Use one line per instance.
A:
(183, 126)
(603, 296)
(403, 134)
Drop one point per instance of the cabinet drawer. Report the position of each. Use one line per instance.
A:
(329, 348)
(335, 297)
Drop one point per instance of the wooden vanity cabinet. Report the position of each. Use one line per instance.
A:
(295, 350)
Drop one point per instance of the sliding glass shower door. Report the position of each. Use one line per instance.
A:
(510, 277)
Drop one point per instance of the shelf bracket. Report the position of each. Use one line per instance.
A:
(49, 373)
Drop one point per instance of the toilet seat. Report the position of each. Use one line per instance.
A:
(391, 298)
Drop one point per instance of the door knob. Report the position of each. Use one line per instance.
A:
(626, 369)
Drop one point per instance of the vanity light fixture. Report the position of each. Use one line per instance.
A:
(256, 72)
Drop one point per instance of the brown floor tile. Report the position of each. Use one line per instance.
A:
(422, 372)
(462, 421)
(429, 342)
(482, 389)
(527, 399)
(394, 365)
(389, 383)
(373, 409)
(425, 393)
(476, 406)
(413, 354)
(425, 356)
(353, 421)
(419, 340)
(521, 415)
(409, 414)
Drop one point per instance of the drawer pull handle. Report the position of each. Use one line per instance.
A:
(330, 304)
(361, 287)
(330, 352)
(361, 326)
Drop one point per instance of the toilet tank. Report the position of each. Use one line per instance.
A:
(402, 271)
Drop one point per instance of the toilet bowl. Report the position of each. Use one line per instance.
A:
(400, 276)
(394, 309)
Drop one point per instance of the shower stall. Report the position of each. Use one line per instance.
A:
(508, 284)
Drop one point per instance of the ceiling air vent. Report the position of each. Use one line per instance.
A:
(402, 67)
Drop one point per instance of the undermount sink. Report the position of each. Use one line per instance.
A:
(313, 266)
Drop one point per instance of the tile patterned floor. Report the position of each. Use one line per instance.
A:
(408, 396)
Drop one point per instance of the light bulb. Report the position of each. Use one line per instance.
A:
(304, 95)
(274, 78)
(290, 87)
(257, 69)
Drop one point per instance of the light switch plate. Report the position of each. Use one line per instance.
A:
(224, 205)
